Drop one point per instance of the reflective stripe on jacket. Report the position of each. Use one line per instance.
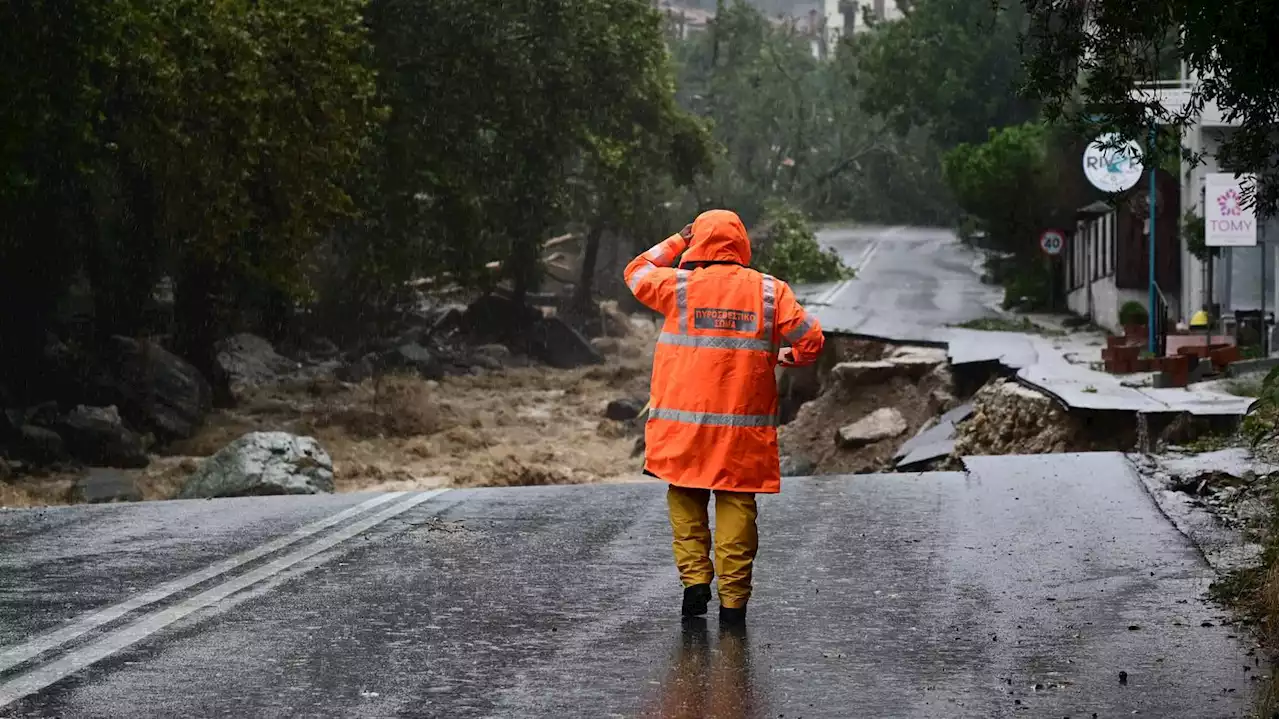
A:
(713, 397)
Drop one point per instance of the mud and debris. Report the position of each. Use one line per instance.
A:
(892, 390)
(419, 411)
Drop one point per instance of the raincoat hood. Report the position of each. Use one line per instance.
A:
(719, 236)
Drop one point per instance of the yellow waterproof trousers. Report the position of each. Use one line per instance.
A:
(736, 540)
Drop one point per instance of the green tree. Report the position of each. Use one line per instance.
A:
(209, 141)
(950, 66)
(790, 251)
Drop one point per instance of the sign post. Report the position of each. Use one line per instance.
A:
(1152, 288)
(1113, 164)
(1051, 243)
(1228, 223)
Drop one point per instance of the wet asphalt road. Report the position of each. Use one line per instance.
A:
(910, 282)
(1022, 588)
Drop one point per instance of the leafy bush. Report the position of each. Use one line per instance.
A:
(1133, 313)
(791, 252)
(1261, 420)
(1028, 287)
(1005, 184)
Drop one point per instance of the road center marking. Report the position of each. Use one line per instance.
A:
(19, 653)
(46, 674)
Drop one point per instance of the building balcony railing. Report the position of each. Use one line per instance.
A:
(1175, 96)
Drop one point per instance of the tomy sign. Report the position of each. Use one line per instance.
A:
(1113, 164)
(1227, 222)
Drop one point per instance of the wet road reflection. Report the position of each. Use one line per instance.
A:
(708, 678)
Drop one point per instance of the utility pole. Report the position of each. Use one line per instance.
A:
(1152, 291)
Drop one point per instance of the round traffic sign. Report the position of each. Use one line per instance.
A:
(1112, 164)
(1052, 242)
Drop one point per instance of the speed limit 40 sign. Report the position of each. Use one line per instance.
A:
(1052, 242)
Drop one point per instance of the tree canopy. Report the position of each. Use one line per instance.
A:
(265, 155)
(951, 66)
(1084, 59)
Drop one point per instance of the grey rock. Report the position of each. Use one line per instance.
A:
(492, 356)
(261, 463)
(45, 415)
(884, 423)
(320, 348)
(447, 319)
(39, 444)
(107, 485)
(251, 361)
(623, 410)
(414, 357)
(791, 466)
(98, 436)
(553, 341)
(154, 389)
(357, 370)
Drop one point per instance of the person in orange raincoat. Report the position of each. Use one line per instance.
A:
(713, 407)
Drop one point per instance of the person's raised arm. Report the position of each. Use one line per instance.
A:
(650, 276)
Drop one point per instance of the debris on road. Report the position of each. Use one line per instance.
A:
(884, 423)
(263, 463)
(1009, 418)
(869, 395)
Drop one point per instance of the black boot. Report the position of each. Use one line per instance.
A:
(733, 616)
(696, 599)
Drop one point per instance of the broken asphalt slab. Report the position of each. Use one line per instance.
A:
(1028, 585)
(933, 441)
(916, 285)
(1042, 363)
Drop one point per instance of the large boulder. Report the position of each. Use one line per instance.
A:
(415, 357)
(495, 318)
(38, 444)
(250, 361)
(262, 463)
(795, 466)
(153, 388)
(553, 341)
(98, 436)
(624, 410)
(884, 423)
(358, 370)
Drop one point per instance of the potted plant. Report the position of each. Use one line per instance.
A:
(1133, 318)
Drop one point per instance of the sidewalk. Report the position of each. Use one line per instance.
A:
(1060, 367)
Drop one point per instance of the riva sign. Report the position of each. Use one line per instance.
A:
(1227, 222)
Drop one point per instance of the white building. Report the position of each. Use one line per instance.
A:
(847, 17)
(1244, 278)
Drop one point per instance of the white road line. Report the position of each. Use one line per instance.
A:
(33, 681)
(830, 295)
(19, 653)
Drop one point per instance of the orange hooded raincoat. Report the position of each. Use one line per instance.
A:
(713, 397)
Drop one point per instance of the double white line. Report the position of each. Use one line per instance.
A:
(45, 674)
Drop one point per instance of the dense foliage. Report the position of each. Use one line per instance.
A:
(791, 252)
(251, 159)
(262, 156)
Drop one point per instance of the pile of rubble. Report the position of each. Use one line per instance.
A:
(866, 407)
(1010, 418)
